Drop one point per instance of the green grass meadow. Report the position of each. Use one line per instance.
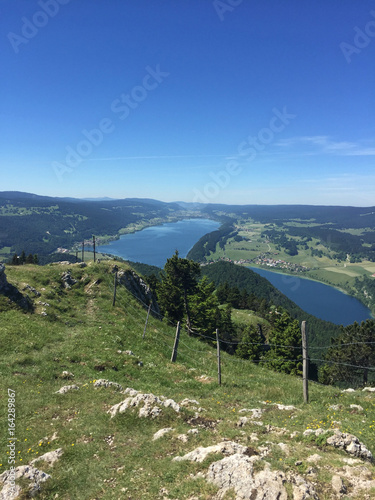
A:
(78, 330)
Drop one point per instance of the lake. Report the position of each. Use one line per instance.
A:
(154, 245)
(323, 301)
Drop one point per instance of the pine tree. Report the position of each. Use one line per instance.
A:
(204, 308)
(250, 346)
(180, 280)
(351, 358)
(285, 345)
(29, 259)
(15, 260)
(22, 257)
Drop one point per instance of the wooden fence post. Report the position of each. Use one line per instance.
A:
(218, 357)
(305, 367)
(175, 347)
(148, 314)
(83, 251)
(93, 242)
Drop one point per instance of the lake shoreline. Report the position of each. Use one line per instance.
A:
(342, 290)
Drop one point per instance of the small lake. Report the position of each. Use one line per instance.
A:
(323, 301)
(154, 245)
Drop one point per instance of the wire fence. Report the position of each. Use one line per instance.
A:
(207, 358)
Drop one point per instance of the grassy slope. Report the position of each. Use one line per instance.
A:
(116, 458)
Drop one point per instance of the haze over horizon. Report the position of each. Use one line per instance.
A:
(224, 101)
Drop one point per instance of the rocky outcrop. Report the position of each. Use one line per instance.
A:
(236, 472)
(139, 288)
(67, 280)
(11, 490)
(12, 293)
(3, 278)
(107, 383)
(350, 444)
(201, 453)
(151, 404)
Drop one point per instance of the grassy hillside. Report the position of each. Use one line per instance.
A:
(77, 330)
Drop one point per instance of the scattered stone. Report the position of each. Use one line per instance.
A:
(254, 437)
(67, 280)
(129, 353)
(302, 490)
(317, 432)
(67, 375)
(193, 431)
(285, 407)
(32, 290)
(161, 433)
(360, 480)
(280, 406)
(313, 458)
(130, 391)
(368, 389)
(205, 379)
(348, 390)
(279, 431)
(350, 444)
(50, 457)
(352, 461)
(110, 439)
(356, 407)
(225, 447)
(284, 447)
(11, 491)
(67, 388)
(107, 383)
(187, 402)
(149, 411)
(183, 437)
(338, 485)
(246, 420)
(334, 407)
(256, 412)
(299, 462)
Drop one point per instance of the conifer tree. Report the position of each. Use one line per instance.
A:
(179, 282)
(285, 345)
(351, 358)
(250, 346)
(29, 259)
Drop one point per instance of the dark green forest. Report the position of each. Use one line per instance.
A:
(243, 278)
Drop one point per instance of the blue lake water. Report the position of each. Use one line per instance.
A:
(323, 301)
(154, 245)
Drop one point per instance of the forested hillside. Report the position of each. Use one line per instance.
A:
(42, 224)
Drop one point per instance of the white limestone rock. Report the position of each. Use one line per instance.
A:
(67, 388)
(161, 433)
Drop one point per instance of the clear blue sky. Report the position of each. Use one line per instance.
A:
(222, 101)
